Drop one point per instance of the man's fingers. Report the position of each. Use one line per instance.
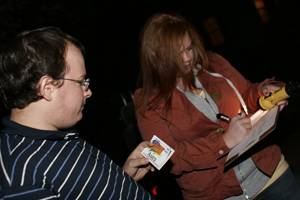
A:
(138, 162)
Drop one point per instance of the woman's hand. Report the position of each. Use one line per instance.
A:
(238, 129)
(271, 86)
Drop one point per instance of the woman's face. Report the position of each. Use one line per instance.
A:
(187, 53)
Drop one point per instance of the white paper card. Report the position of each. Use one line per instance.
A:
(159, 153)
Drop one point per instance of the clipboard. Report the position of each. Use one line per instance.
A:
(263, 123)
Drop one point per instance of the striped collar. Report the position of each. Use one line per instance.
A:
(11, 127)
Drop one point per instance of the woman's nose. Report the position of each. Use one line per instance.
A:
(187, 56)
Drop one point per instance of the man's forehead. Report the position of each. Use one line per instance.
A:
(74, 60)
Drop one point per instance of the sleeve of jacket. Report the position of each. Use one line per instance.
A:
(201, 153)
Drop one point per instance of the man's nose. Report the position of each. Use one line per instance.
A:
(88, 93)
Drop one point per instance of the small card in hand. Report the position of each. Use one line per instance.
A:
(158, 153)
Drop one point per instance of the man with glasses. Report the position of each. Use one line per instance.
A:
(43, 83)
(84, 82)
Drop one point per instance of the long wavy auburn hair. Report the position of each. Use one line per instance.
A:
(161, 61)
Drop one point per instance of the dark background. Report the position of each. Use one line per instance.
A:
(110, 32)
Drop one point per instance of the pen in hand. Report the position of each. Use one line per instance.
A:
(223, 117)
(226, 118)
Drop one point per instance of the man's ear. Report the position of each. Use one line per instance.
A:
(46, 87)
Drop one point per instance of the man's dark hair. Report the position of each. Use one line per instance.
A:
(28, 57)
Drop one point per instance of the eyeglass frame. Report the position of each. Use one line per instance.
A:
(85, 83)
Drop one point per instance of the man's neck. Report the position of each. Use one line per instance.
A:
(32, 117)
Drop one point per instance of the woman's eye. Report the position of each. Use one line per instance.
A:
(190, 48)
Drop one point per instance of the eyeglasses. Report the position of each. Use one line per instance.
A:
(85, 83)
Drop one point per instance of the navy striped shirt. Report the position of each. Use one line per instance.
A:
(36, 164)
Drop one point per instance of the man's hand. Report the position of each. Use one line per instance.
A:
(136, 165)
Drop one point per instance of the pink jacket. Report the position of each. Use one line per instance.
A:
(200, 150)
